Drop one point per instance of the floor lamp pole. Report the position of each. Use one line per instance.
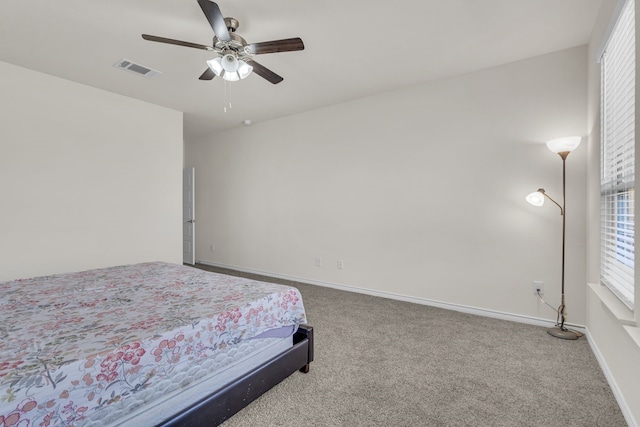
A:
(559, 331)
(561, 146)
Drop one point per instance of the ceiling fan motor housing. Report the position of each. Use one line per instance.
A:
(232, 24)
(236, 43)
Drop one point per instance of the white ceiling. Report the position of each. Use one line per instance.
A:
(353, 48)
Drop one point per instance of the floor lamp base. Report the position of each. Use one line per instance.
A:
(563, 334)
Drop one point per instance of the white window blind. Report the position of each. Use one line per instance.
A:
(617, 207)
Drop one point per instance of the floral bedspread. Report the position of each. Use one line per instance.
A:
(72, 344)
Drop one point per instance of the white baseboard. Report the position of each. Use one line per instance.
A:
(622, 403)
(416, 300)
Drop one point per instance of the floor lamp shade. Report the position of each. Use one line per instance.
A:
(536, 198)
(564, 145)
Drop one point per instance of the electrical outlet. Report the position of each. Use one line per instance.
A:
(318, 261)
(538, 287)
(340, 264)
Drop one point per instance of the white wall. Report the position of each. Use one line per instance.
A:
(87, 178)
(419, 191)
(617, 351)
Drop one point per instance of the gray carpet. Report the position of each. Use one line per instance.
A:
(381, 362)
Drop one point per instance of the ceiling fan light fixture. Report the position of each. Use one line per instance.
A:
(244, 70)
(231, 76)
(215, 65)
(230, 63)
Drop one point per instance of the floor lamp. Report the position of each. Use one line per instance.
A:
(561, 146)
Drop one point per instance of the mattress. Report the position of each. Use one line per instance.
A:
(76, 345)
(177, 392)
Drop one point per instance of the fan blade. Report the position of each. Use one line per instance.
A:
(215, 18)
(207, 75)
(286, 45)
(265, 73)
(176, 42)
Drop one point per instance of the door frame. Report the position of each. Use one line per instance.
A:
(188, 216)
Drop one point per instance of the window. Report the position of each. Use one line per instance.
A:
(617, 204)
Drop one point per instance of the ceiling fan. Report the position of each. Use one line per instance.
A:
(235, 60)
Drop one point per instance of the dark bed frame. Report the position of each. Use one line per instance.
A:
(220, 405)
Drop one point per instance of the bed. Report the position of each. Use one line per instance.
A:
(145, 344)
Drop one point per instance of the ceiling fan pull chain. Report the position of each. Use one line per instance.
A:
(227, 96)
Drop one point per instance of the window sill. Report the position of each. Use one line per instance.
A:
(634, 333)
(617, 308)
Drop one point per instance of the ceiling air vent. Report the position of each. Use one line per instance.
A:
(138, 69)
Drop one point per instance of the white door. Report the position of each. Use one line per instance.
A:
(188, 217)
